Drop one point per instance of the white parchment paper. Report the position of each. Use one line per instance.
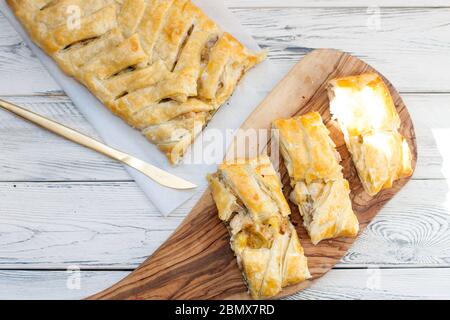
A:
(118, 134)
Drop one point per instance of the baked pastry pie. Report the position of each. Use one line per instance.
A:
(161, 65)
(249, 200)
(319, 188)
(367, 116)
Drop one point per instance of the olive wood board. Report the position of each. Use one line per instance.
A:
(196, 262)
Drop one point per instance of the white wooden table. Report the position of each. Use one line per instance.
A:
(63, 206)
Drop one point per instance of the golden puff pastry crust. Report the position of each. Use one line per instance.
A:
(161, 65)
(319, 188)
(366, 114)
(249, 200)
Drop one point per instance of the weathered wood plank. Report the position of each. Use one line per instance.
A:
(412, 56)
(113, 225)
(99, 224)
(21, 71)
(29, 153)
(413, 228)
(333, 3)
(54, 285)
(425, 283)
(359, 284)
(91, 223)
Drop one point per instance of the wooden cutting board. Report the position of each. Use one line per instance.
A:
(196, 262)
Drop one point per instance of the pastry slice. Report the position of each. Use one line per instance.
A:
(367, 116)
(319, 188)
(163, 66)
(249, 200)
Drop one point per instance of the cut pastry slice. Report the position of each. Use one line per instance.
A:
(151, 62)
(249, 200)
(319, 188)
(367, 116)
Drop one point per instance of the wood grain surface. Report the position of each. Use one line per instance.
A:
(414, 56)
(197, 263)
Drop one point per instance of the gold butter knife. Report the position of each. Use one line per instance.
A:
(160, 176)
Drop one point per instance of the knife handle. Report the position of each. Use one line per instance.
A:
(66, 132)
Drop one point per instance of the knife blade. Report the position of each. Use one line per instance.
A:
(162, 177)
